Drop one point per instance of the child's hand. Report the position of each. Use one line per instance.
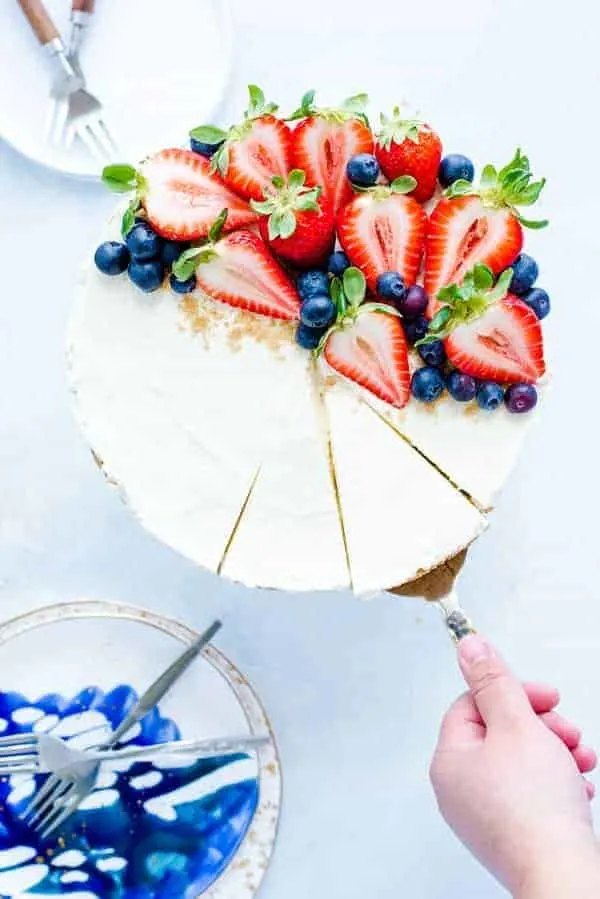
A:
(508, 775)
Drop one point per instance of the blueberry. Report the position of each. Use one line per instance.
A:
(489, 396)
(309, 338)
(538, 300)
(453, 167)
(416, 329)
(461, 387)
(143, 243)
(338, 263)
(318, 311)
(363, 170)
(525, 271)
(203, 149)
(171, 251)
(311, 283)
(415, 302)
(182, 286)
(112, 257)
(427, 384)
(433, 353)
(148, 276)
(390, 286)
(521, 398)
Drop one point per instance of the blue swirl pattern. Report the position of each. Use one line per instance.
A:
(148, 833)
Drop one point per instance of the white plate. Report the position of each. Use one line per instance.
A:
(159, 69)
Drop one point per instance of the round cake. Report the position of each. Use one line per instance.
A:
(309, 348)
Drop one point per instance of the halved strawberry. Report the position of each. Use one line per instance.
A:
(296, 221)
(382, 230)
(181, 196)
(489, 333)
(325, 141)
(409, 147)
(239, 270)
(367, 343)
(252, 153)
(479, 225)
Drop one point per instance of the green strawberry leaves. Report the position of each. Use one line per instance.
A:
(208, 134)
(466, 302)
(189, 261)
(125, 179)
(510, 187)
(351, 108)
(258, 105)
(396, 130)
(284, 200)
(348, 293)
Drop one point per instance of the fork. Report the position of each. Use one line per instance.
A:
(46, 754)
(47, 809)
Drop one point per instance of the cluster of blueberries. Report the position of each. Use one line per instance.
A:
(318, 313)
(146, 257)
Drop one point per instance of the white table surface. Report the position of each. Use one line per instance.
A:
(356, 691)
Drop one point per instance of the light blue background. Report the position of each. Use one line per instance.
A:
(356, 691)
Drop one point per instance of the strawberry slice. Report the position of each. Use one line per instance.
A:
(488, 333)
(504, 345)
(181, 196)
(239, 270)
(473, 225)
(381, 230)
(325, 141)
(367, 343)
(252, 153)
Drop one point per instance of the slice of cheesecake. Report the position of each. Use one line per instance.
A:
(401, 516)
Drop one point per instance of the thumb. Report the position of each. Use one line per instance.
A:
(498, 694)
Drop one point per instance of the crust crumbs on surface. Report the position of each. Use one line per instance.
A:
(202, 316)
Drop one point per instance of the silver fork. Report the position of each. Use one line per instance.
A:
(47, 809)
(42, 753)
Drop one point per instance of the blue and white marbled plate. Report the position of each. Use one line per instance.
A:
(147, 832)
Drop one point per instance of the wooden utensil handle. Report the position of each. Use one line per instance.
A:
(83, 6)
(37, 15)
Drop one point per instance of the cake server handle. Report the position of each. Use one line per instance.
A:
(458, 624)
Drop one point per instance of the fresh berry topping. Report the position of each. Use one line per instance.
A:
(239, 270)
(538, 300)
(415, 302)
(318, 311)
(143, 243)
(416, 329)
(309, 338)
(325, 141)
(206, 140)
(338, 263)
(488, 333)
(473, 225)
(490, 396)
(180, 195)
(182, 287)
(525, 272)
(311, 283)
(455, 167)
(409, 147)
(521, 398)
(148, 275)
(172, 250)
(296, 221)
(461, 387)
(390, 286)
(433, 353)
(252, 153)
(427, 384)
(381, 230)
(363, 170)
(112, 257)
(367, 343)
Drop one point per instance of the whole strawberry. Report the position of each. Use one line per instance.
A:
(409, 147)
(297, 221)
